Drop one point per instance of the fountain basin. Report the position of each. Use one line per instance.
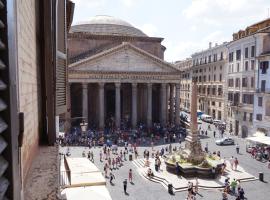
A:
(189, 170)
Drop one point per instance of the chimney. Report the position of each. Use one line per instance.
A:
(210, 45)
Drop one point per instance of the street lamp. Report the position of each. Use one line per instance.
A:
(83, 126)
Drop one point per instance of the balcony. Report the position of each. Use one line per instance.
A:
(266, 90)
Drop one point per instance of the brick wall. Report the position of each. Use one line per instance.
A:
(81, 45)
(29, 82)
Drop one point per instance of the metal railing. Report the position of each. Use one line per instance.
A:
(266, 90)
(65, 175)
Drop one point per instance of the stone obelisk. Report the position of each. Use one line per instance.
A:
(193, 149)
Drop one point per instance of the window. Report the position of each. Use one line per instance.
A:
(252, 82)
(230, 83)
(231, 57)
(215, 68)
(220, 77)
(220, 67)
(246, 52)
(244, 82)
(252, 63)
(213, 91)
(238, 67)
(245, 116)
(248, 98)
(221, 56)
(215, 57)
(219, 91)
(214, 77)
(263, 83)
(267, 108)
(238, 54)
(250, 117)
(260, 101)
(259, 117)
(219, 104)
(209, 59)
(237, 82)
(252, 51)
(209, 78)
(264, 66)
(246, 65)
(213, 103)
(204, 78)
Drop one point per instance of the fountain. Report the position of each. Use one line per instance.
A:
(192, 161)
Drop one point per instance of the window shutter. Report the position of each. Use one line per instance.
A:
(61, 64)
(8, 163)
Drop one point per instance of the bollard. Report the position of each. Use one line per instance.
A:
(261, 176)
(170, 188)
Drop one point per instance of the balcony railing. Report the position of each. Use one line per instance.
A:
(266, 90)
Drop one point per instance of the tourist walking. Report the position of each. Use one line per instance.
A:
(237, 147)
(100, 156)
(232, 162)
(125, 186)
(111, 177)
(130, 175)
(236, 162)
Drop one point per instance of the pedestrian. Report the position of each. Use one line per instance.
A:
(232, 162)
(130, 175)
(214, 134)
(125, 186)
(111, 177)
(196, 185)
(269, 164)
(236, 162)
(156, 164)
(237, 148)
(224, 195)
(233, 185)
(242, 194)
(100, 156)
(105, 170)
(113, 163)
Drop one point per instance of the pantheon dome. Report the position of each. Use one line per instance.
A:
(107, 25)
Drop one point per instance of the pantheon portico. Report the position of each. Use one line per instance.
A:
(116, 71)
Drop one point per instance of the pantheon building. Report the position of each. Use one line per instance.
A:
(118, 72)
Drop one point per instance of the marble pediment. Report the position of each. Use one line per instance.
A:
(123, 58)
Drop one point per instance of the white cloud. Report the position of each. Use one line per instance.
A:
(128, 3)
(149, 29)
(220, 12)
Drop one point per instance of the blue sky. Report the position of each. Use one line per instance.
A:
(187, 26)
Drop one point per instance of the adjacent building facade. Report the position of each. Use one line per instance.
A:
(185, 67)
(208, 70)
(261, 118)
(244, 50)
(233, 80)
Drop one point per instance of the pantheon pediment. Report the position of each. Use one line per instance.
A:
(123, 58)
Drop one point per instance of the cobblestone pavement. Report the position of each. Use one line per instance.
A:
(42, 180)
(144, 189)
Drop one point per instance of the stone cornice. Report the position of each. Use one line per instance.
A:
(86, 35)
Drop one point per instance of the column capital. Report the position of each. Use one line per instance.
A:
(117, 84)
(163, 86)
(101, 84)
(84, 85)
(134, 85)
